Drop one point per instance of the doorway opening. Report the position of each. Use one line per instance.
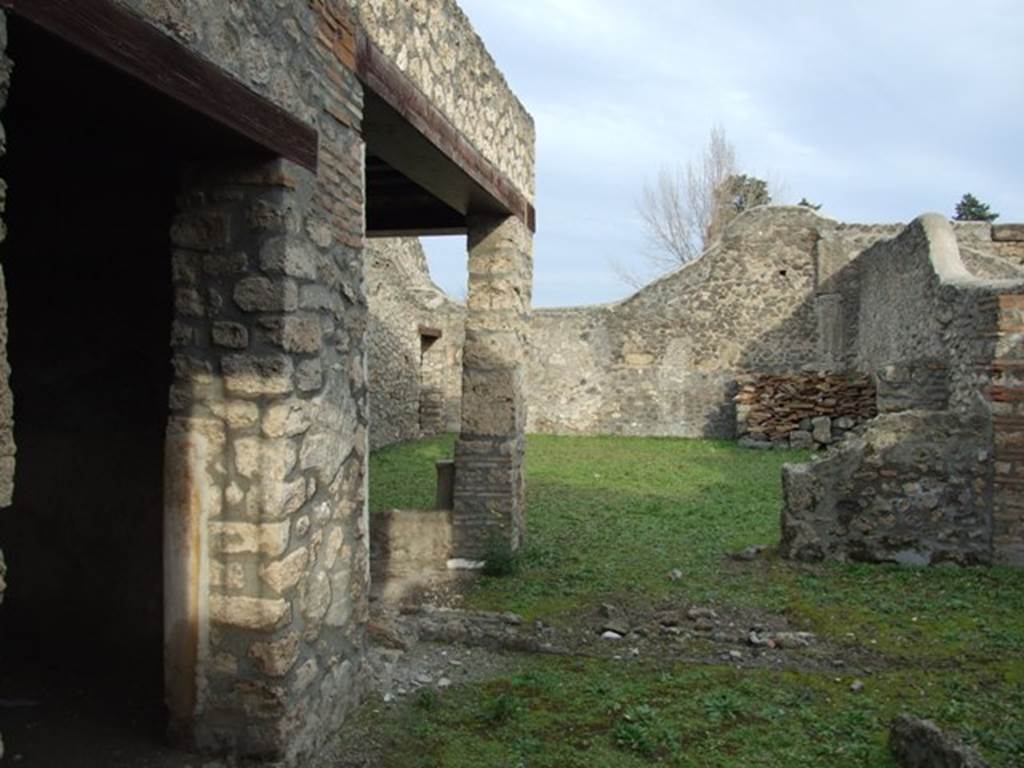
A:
(93, 167)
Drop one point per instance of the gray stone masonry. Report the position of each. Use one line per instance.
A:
(415, 380)
(265, 464)
(489, 476)
(936, 477)
(266, 541)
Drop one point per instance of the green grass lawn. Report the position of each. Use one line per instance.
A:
(607, 519)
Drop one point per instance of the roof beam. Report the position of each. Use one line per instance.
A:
(125, 41)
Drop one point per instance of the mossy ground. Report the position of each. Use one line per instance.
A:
(607, 519)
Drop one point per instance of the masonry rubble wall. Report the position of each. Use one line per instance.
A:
(936, 477)
(266, 550)
(665, 361)
(802, 410)
(773, 297)
(412, 373)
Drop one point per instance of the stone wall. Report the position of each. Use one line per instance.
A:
(665, 360)
(433, 42)
(924, 482)
(774, 296)
(415, 375)
(267, 444)
(266, 550)
(802, 410)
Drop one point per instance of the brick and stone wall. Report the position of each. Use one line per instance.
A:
(415, 375)
(920, 484)
(267, 444)
(266, 545)
(1005, 398)
(776, 295)
(665, 360)
(801, 410)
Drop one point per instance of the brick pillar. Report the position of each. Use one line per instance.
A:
(1007, 403)
(489, 475)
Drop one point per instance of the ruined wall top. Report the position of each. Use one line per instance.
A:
(434, 44)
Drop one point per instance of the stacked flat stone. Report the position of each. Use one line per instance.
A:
(801, 410)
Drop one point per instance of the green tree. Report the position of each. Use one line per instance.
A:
(805, 203)
(971, 208)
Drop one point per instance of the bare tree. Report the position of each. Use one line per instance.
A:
(679, 209)
(687, 208)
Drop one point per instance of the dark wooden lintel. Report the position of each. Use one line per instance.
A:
(491, 190)
(106, 30)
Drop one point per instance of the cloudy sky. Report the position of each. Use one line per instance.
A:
(878, 110)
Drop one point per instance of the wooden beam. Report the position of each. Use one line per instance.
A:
(125, 41)
(491, 191)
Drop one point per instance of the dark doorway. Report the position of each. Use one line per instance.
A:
(94, 162)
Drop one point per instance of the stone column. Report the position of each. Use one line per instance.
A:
(489, 477)
(264, 489)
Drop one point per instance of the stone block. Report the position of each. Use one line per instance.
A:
(230, 335)
(919, 743)
(257, 614)
(268, 461)
(291, 256)
(309, 375)
(288, 419)
(238, 414)
(489, 294)
(294, 333)
(276, 658)
(266, 539)
(801, 440)
(284, 574)
(251, 375)
(822, 430)
(261, 294)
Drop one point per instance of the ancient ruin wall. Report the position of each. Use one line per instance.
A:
(934, 477)
(412, 371)
(267, 437)
(268, 433)
(433, 42)
(801, 410)
(665, 360)
(774, 296)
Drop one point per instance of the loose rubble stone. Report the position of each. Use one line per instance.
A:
(919, 743)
